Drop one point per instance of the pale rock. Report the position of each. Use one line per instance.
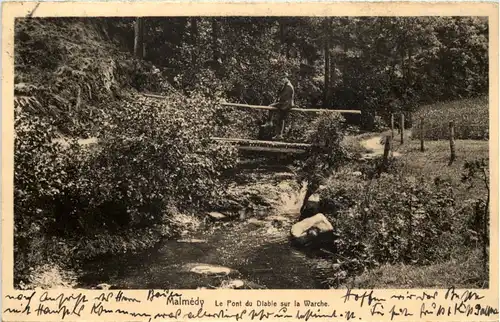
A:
(314, 198)
(192, 241)
(310, 228)
(257, 222)
(216, 215)
(232, 284)
(103, 286)
(208, 269)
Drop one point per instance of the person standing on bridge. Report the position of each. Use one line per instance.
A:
(284, 104)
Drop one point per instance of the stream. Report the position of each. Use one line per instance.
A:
(251, 253)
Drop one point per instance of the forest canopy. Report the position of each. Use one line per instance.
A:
(335, 62)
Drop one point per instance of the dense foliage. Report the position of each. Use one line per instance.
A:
(150, 156)
(377, 63)
(398, 219)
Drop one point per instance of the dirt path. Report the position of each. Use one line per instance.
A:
(376, 147)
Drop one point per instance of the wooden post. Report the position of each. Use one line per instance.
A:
(392, 125)
(484, 245)
(422, 149)
(402, 126)
(452, 142)
(387, 148)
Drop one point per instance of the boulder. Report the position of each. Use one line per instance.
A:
(103, 286)
(238, 284)
(208, 269)
(216, 215)
(309, 229)
(232, 284)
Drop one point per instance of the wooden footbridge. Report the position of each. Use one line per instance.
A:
(270, 146)
(276, 146)
(266, 146)
(303, 110)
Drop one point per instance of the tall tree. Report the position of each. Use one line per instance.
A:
(139, 37)
(216, 46)
(328, 69)
(194, 39)
(216, 39)
(282, 22)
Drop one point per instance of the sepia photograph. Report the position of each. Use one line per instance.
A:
(251, 152)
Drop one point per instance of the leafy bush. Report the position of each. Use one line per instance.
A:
(326, 155)
(39, 179)
(151, 155)
(390, 220)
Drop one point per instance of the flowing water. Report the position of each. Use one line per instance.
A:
(256, 252)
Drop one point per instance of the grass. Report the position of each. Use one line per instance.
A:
(433, 162)
(471, 118)
(462, 271)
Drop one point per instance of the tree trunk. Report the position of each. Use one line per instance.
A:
(144, 37)
(282, 26)
(216, 50)
(215, 39)
(194, 39)
(139, 38)
(327, 90)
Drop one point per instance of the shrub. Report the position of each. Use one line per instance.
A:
(39, 179)
(390, 220)
(150, 155)
(326, 155)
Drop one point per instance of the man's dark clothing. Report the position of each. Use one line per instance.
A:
(284, 105)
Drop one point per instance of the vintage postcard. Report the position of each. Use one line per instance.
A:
(249, 162)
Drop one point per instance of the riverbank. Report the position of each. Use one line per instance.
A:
(251, 251)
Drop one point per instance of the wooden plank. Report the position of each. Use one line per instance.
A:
(304, 110)
(270, 149)
(274, 144)
(263, 107)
